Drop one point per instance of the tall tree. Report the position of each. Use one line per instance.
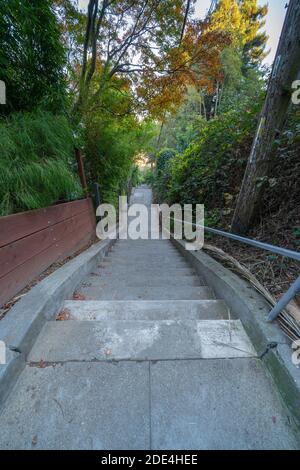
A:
(254, 48)
(227, 16)
(72, 24)
(259, 168)
(242, 21)
(187, 10)
(155, 45)
(127, 37)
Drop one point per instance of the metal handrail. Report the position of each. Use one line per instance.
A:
(295, 255)
(294, 288)
(263, 246)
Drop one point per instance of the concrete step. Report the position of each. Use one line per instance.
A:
(141, 271)
(155, 248)
(149, 242)
(121, 292)
(150, 281)
(144, 264)
(146, 310)
(145, 249)
(144, 244)
(145, 257)
(140, 340)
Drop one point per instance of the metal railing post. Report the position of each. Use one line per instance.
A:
(285, 299)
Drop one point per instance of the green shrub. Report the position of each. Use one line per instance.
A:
(135, 176)
(214, 162)
(162, 175)
(36, 158)
(148, 176)
(111, 147)
(211, 169)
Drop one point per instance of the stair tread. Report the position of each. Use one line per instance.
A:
(145, 309)
(141, 340)
(144, 262)
(136, 279)
(150, 268)
(113, 291)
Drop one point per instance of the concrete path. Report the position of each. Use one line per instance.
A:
(147, 359)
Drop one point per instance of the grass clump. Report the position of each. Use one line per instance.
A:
(37, 167)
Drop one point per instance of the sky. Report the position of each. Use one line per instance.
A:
(274, 19)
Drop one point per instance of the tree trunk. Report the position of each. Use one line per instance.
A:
(187, 10)
(262, 156)
(217, 99)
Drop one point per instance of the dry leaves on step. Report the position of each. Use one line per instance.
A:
(78, 296)
(63, 315)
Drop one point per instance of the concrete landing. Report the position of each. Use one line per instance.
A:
(79, 406)
(217, 405)
(229, 404)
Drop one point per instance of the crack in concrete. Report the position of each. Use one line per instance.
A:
(269, 347)
(15, 349)
(116, 361)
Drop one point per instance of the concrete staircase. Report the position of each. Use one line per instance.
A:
(146, 359)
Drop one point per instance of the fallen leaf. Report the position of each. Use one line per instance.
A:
(78, 296)
(63, 315)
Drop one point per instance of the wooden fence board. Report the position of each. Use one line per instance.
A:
(18, 252)
(16, 226)
(25, 258)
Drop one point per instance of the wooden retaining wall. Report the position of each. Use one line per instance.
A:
(31, 241)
